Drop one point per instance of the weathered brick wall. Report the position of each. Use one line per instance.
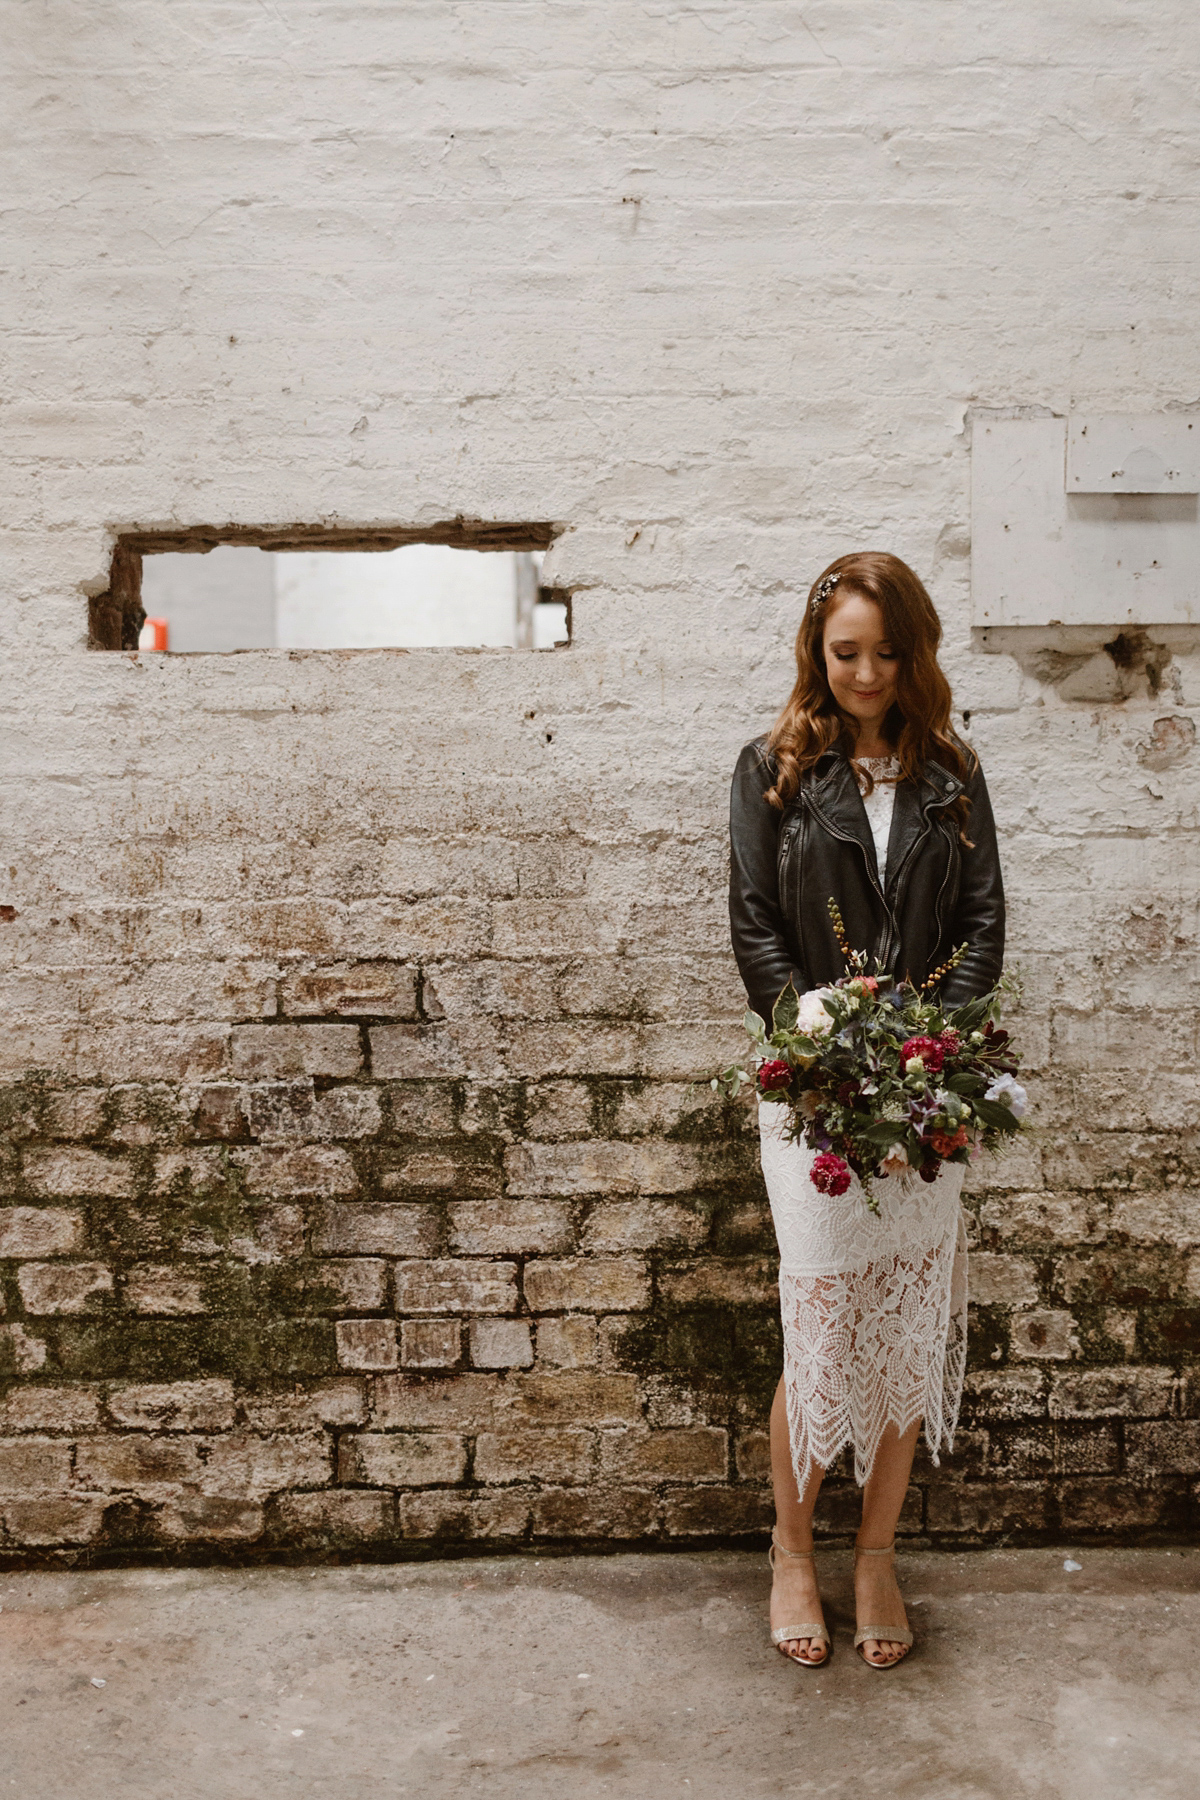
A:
(362, 1190)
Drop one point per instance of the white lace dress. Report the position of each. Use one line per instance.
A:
(874, 1308)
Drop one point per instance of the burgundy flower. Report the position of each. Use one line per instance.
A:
(772, 1076)
(950, 1041)
(848, 1093)
(929, 1171)
(928, 1049)
(829, 1174)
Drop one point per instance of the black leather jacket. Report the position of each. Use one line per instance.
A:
(784, 866)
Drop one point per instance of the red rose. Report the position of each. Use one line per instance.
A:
(774, 1075)
(829, 1174)
(946, 1143)
(928, 1049)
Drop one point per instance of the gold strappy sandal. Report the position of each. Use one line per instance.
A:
(787, 1633)
(882, 1634)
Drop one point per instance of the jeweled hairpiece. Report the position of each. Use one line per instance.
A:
(823, 592)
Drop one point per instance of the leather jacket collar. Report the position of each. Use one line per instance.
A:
(834, 792)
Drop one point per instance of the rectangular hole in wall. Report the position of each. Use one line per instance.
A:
(461, 585)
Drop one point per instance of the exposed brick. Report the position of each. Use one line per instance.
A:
(1104, 1505)
(139, 1462)
(588, 1283)
(414, 1402)
(163, 1289)
(501, 1344)
(697, 1453)
(430, 1343)
(219, 1112)
(644, 1225)
(20, 1350)
(355, 1283)
(838, 1511)
(551, 1452)
(569, 1396)
(272, 1052)
(377, 1228)
(1044, 1335)
(1122, 1392)
(421, 1109)
(752, 1456)
(32, 1465)
(440, 1171)
(1169, 1446)
(1005, 1394)
(456, 1287)
(63, 1287)
(1041, 1218)
(367, 1344)
(253, 1466)
(1002, 1281)
(39, 1231)
(314, 1169)
(510, 1227)
(402, 1458)
(559, 1109)
(69, 1169)
(174, 1406)
(34, 1407)
(615, 1514)
(738, 1281)
(342, 1401)
(567, 1343)
(355, 990)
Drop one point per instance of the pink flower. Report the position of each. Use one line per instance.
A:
(950, 1041)
(930, 1051)
(774, 1075)
(829, 1174)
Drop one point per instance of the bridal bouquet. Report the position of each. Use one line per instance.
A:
(879, 1077)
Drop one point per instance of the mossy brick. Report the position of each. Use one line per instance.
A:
(274, 1051)
(42, 1406)
(420, 1402)
(1129, 1392)
(549, 1452)
(449, 1515)
(690, 1453)
(430, 1343)
(618, 1225)
(256, 1464)
(1128, 1276)
(1106, 1504)
(311, 1169)
(67, 1170)
(565, 1396)
(140, 1463)
(568, 1343)
(39, 1231)
(219, 1111)
(210, 1518)
(128, 1348)
(342, 1401)
(615, 1514)
(1005, 1394)
(1032, 1219)
(340, 1284)
(984, 1508)
(53, 1522)
(420, 1109)
(168, 1290)
(587, 1284)
(1164, 1447)
(197, 1169)
(732, 1280)
(20, 1351)
(367, 1344)
(510, 1227)
(558, 1109)
(595, 1166)
(722, 1512)
(752, 1456)
(332, 1519)
(445, 1285)
(377, 1227)
(173, 1406)
(34, 1465)
(442, 1169)
(63, 1287)
(838, 1511)
(402, 1458)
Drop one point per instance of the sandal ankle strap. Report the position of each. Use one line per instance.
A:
(784, 1551)
(888, 1550)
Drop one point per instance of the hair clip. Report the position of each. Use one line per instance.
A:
(824, 590)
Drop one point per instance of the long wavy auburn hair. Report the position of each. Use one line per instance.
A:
(918, 725)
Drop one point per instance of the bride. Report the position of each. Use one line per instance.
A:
(863, 792)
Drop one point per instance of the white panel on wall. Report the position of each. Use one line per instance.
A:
(1044, 554)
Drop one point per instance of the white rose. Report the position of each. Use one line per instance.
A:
(812, 1019)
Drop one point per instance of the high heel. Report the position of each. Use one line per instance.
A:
(788, 1633)
(882, 1634)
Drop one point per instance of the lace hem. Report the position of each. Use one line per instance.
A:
(871, 1348)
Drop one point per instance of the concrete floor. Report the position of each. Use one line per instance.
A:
(632, 1676)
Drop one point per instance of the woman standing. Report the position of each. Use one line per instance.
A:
(862, 792)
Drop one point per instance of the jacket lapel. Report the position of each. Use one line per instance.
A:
(836, 794)
(909, 815)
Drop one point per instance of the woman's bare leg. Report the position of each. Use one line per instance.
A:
(876, 1593)
(795, 1596)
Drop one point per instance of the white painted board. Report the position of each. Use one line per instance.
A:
(1150, 453)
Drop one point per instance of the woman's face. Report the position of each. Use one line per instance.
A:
(861, 666)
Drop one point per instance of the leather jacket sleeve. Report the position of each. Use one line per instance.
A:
(760, 937)
(979, 914)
